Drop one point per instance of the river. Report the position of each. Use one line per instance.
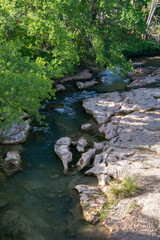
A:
(40, 202)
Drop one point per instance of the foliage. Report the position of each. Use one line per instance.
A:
(67, 32)
(47, 39)
(126, 188)
(24, 84)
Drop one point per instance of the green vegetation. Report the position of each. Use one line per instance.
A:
(43, 40)
(126, 188)
(104, 211)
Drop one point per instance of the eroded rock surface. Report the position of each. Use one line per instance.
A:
(83, 85)
(17, 133)
(92, 201)
(81, 144)
(138, 83)
(131, 124)
(12, 163)
(103, 107)
(85, 159)
(61, 148)
(85, 75)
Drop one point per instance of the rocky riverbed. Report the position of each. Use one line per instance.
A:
(130, 122)
(122, 141)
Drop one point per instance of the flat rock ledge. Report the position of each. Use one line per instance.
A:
(85, 75)
(130, 122)
(61, 148)
(106, 105)
(17, 133)
(91, 201)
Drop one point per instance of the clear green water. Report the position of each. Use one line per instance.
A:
(40, 202)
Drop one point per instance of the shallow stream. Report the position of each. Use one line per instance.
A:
(40, 202)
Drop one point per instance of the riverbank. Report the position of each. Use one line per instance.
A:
(130, 122)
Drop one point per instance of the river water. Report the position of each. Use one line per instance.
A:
(40, 202)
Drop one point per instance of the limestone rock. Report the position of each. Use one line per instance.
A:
(83, 85)
(91, 201)
(17, 133)
(61, 148)
(85, 75)
(86, 126)
(138, 83)
(136, 129)
(85, 159)
(107, 105)
(81, 144)
(99, 145)
(60, 87)
(103, 106)
(12, 163)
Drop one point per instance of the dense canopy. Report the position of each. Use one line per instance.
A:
(46, 39)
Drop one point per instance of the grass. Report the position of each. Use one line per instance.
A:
(104, 211)
(126, 188)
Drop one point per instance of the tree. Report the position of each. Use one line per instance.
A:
(24, 84)
(44, 39)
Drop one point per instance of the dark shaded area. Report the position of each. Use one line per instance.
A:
(132, 236)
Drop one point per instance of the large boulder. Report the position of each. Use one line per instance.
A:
(61, 148)
(85, 75)
(138, 83)
(83, 85)
(12, 163)
(16, 133)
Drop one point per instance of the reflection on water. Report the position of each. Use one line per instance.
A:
(40, 203)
